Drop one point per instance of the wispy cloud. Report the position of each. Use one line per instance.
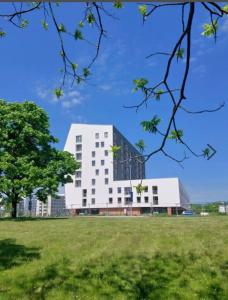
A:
(71, 97)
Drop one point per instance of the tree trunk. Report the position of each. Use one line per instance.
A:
(14, 209)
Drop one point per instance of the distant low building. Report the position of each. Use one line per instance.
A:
(223, 208)
(53, 207)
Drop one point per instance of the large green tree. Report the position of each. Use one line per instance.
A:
(29, 163)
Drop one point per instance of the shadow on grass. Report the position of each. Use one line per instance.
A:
(23, 219)
(12, 254)
(129, 277)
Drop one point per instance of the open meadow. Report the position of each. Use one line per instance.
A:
(114, 258)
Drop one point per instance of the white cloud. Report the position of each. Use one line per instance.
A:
(106, 87)
(71, 97)
(199, 70)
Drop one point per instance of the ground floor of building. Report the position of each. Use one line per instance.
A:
(128, 211)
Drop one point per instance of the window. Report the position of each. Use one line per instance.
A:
(138, 199)
(106, 171)
(127, 190)
(79, 147)
(93, 201)
(93, 153)
(127, 200)
(155, 189)
(106, 152)
(146, 189)
(110, 200)
(93, 181)
(79, 165)
(102, 162)
(146, 199)
(110, 190)
(93, 191)
(106, 134)
(78, 174)
(97, 144)
(93, 163)
(119, 190)
(84, 193)
(155, 200)
(77, 183)
(78, 156)
(97, 135)
(106, 180)
(78, 138)
(97, 171)
(102, 144)
(84, 202)
(119, 200)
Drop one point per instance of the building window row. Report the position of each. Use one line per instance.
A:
(146, 200)
(94, 153)
(97, 135)
(99, 144)
(93, 163)
(119, 200)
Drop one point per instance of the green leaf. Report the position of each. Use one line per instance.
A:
(2, 34)
(58, 93)
(210, 28)
(61, 27)
(158, 93)
(114, 150)
(61, 53)
(90, 18)
(74, 66)
(24, 23)
(81, 24)
(140, 145)
(139, 83)
(118, 4)
(44, 24)
(78, 35)
(206, 152)
(225, 8)
(176, 135)
(151, 126)
(78, 80)
(180, 53)
(140, 188)
(143, 9)
(86, 72)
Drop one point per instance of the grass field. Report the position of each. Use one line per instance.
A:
(114, 258)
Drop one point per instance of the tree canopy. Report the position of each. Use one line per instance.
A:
(29, 163)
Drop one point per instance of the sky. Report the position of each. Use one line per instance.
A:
(30, 64)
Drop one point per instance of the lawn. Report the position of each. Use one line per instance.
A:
(115, 258)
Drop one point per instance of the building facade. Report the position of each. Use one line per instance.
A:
(106, 183)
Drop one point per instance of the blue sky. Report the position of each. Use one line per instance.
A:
(30, 66)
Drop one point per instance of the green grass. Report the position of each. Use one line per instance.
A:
(114, 258)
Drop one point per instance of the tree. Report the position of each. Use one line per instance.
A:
(29, 164)
(180, 50)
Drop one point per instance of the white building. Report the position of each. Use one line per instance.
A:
(106, 184)
(53, 206)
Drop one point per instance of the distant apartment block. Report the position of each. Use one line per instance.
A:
(53, 206)
(106, 184)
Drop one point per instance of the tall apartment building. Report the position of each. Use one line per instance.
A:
(106, 184)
